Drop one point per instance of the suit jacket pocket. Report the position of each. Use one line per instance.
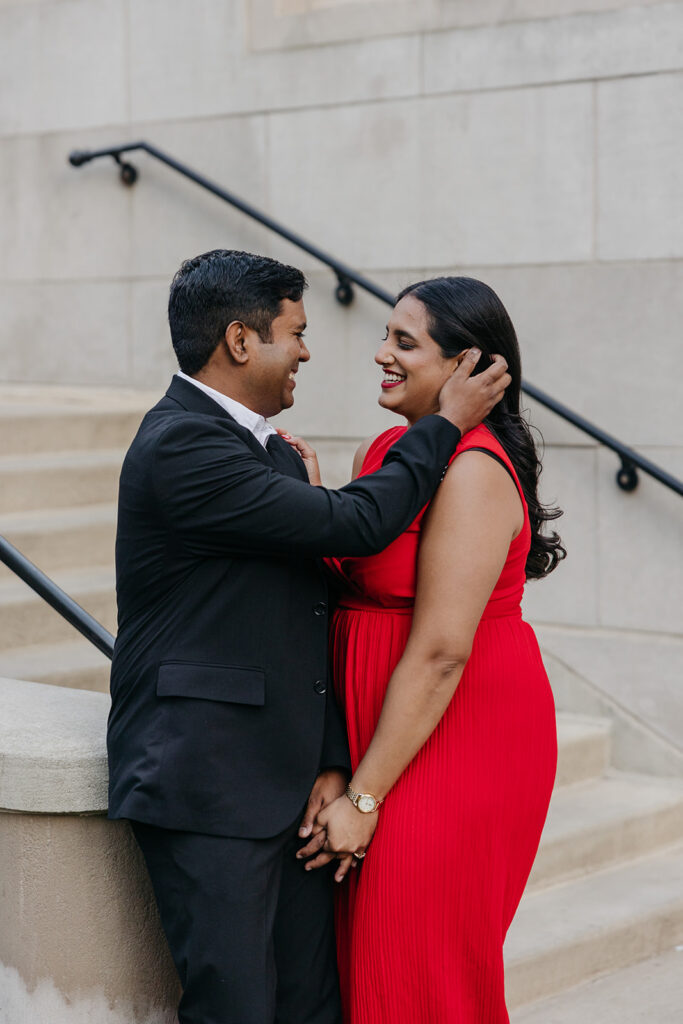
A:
(229, 683)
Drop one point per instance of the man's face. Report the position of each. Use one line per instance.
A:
(273, 364)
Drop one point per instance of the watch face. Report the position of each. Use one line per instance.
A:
(366, 803)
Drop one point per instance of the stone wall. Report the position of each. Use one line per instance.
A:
(536, 145)
(80, 938)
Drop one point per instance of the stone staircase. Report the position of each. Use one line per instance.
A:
(605, 893)
(595, 937)
(60, 456)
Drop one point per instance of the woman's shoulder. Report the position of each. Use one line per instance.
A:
(481, 437)
(371, 452)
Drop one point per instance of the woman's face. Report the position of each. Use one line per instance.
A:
(414, 366)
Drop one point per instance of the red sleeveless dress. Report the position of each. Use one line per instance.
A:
(421, 922)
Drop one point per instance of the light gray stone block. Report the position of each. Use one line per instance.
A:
(65, 332)
(641, 549)
(198, 63)
(293, 23)
(363, 208)
(490, 178)
(58, 222)
(570, 594)
(505, 178)
(174, 219)
(603, 339)
(640, 167)
(53, 78)
(52, 749)
(152, 358)
(603, 44)
(638, 671)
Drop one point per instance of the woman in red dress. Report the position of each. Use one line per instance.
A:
(450, 715)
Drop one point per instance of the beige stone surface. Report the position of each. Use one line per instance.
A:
(605, 43)
(641, 550)
(611, 919)
(52, 78)
(488, 178)
(53, 756)
(73, 332)
(320, 21)
(569, 594)
(172, 218)
(81, 878)
(640, 172)
(198, 63)
(647, 992)
(641, 671)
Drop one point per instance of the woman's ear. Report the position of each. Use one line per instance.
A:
(460, 356)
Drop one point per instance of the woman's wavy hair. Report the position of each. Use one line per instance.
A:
(463, 312)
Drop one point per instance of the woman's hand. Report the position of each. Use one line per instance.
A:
(307, 453)
(348, 832)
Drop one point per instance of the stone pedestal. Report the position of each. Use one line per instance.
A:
(80, 939)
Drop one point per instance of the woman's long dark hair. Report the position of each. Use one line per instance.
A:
(463, 312)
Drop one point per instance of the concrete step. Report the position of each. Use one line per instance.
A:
(608, 920)
(77, 664)
(583, 748)
(51, 419)
(62, 538)
(647, 993)
(594, 824)
(59, 480)
(25, 619)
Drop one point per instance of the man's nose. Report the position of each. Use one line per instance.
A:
(304, 354)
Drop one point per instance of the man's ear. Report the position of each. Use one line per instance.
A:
(235, 337)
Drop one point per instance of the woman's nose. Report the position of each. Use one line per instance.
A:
(382, 356)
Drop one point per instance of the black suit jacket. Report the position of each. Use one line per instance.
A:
(221, 712)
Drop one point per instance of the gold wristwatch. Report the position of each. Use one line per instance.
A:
(366, 803)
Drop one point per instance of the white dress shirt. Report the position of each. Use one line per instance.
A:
(257, 424)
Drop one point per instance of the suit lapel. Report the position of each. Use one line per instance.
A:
(195, 400)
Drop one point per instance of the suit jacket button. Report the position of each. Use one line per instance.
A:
(320, 608)
(320, 686)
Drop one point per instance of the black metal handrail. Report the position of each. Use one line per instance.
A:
(631, 461)
(56, 598)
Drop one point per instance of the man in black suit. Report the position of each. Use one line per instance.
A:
(222, 723)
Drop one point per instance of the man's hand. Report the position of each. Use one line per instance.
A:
(327, 787)
(466, 400)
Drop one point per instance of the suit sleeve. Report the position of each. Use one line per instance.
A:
(220, 499)
(335, 751)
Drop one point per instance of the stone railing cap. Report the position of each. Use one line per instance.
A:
(53, 756)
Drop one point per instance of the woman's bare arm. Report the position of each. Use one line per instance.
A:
(465, 540)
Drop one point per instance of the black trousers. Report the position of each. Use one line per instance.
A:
(251, 932)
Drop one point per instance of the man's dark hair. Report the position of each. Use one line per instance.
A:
(211, 290)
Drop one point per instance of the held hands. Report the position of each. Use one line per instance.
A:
(345, 831)
(327, 787)
(467, 400)
(307, 453)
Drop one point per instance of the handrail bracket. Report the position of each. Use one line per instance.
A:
(627, 475)
(344, 293)
(127, 172)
